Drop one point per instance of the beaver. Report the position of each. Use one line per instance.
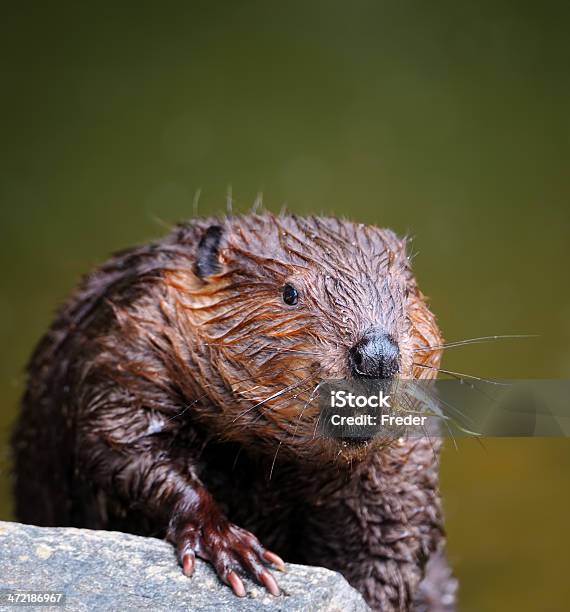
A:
(173, 397)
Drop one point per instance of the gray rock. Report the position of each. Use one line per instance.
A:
(102, 570)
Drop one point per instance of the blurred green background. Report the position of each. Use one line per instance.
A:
(449, 121)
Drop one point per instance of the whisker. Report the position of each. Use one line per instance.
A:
(437, 400)
(275, 395)
(460, 375)
(459, 412)
(272, 372)
(426, 434)
(270, 348)
(274, 459)
(195, 201)
(471, 385)
(301, 389)
(257, 204)
(229, 202)
(249, 378)
(479, 340)
(451, 434)
(316, 425)
(307, 403)
(432, 399)
(444, 417)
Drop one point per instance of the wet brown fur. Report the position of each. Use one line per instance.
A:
(167, 404)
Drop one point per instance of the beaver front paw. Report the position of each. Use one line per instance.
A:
(232, 551)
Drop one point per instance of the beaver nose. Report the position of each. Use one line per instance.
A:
(375, 355)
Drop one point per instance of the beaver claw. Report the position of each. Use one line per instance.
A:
(232, 551)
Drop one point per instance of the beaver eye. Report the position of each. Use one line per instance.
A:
(290, 295)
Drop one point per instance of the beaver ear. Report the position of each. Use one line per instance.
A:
(208, 253)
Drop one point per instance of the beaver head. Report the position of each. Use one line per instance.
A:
(274, 305)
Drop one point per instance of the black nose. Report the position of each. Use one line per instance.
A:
(375, 355)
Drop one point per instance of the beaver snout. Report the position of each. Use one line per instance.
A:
(375, 355)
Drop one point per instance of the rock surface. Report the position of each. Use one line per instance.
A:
(101, 570)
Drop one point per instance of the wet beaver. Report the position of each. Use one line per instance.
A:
(173, 397)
